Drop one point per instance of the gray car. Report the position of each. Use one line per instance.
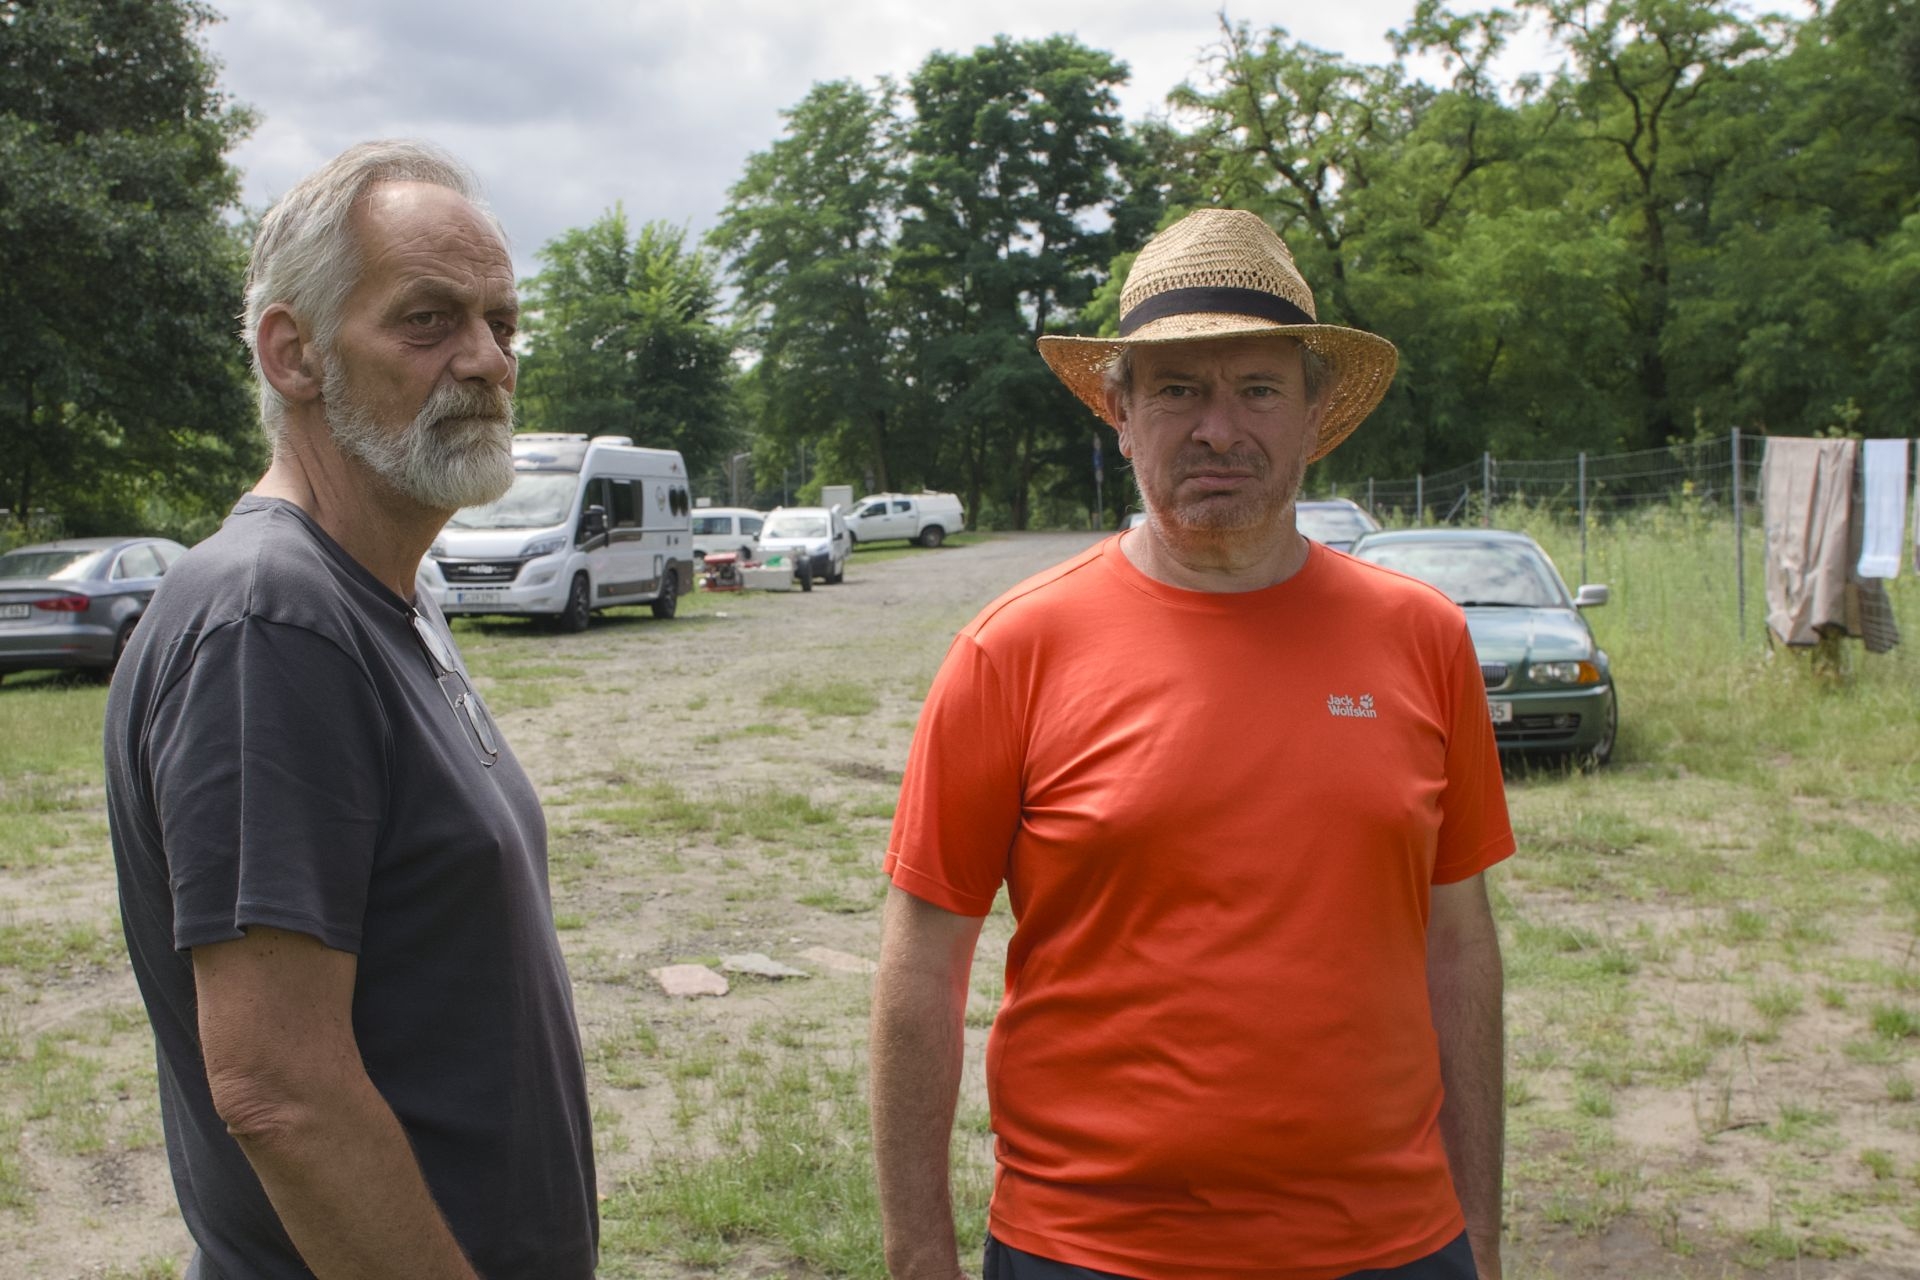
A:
(73, 603)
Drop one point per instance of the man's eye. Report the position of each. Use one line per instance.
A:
(1176, 391)
(504, 328)
(424, 319)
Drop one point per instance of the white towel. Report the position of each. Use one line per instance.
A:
(1883, 465)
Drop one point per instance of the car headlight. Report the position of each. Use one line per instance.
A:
(1563, 673)
(439, 549)
(543, 546)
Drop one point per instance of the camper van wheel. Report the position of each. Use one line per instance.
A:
(579, 607)
(932, 535)
(668, 600)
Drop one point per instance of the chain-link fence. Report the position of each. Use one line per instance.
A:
(1703, 494)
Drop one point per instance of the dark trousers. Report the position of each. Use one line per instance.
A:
(1004, 1262)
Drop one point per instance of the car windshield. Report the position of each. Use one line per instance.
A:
(61, 566)
(795, 526)
(1476, 573)
(537, 500)
(1332, 524)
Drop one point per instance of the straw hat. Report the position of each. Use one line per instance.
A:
(1224, 273)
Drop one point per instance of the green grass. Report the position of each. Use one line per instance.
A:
(1719, 918)
(827, 698)
(791, 1163)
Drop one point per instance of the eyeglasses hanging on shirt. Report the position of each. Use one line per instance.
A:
(460, 695)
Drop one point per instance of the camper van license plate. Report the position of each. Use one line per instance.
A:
(14, 610)
(480, 595)
(1502, 710)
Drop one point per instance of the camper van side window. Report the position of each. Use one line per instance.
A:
(621, 513)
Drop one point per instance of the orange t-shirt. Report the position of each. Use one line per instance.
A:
(1218, 817)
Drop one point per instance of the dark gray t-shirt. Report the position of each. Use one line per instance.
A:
(280, 752)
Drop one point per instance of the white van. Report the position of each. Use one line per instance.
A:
(718, 530)
(588, 524)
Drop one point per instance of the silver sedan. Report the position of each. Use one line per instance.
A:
(73, 603)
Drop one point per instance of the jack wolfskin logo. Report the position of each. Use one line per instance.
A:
(1361, 708)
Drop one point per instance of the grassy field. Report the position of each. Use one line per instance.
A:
(1713, 960)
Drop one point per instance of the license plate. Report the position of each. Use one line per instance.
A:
(479, 595)
(1502, 710)
(15, 610)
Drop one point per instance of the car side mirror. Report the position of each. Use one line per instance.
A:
(1590, 593)
(593, 522)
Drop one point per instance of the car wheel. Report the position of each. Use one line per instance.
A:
(668, 601)
(836, 572)
(578, 611)
(932, 536)
(121, 639)
(1602, 751)
(746, 554)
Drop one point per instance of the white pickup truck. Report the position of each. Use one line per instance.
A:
(925, 518)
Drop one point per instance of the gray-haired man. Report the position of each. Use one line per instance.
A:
(332, 869)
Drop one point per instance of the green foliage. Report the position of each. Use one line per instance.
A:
(807, 235)
(123, 404)
(624, 337)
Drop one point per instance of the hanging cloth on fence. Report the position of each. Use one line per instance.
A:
(1806, 501)
(1883, 509)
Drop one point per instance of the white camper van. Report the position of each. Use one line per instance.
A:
(588, 524)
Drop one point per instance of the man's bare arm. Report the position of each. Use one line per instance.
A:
(1464, 984)
(276, 1030)
(919, 1031)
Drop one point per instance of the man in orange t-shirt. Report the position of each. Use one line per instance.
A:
(1241, 790)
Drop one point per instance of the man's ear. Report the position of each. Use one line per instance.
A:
(289, 361)
(1117, 406)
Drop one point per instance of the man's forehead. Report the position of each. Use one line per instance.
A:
(418, 229)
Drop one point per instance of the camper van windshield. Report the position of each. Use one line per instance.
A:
(538, 500)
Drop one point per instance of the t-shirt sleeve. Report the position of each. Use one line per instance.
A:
(960, 800)
(1475, 831)
(268, 761)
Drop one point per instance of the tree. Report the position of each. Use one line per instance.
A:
(1012, 151)
(123, 400)
(1651, 73)
(808, 235)
(623, 337)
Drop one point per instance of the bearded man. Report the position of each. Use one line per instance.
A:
(332, 869)
(1241, 791)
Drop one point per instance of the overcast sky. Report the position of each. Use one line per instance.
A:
(567, 106)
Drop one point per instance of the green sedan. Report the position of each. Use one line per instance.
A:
(1549, 687)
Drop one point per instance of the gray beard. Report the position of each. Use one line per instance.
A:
(456, 453)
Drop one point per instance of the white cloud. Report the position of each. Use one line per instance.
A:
(566, 106)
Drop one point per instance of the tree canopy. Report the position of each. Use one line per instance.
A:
(624, 338)
(1703, 220)
(123, 401)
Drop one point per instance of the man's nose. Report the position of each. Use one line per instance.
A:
(480, 356)
(1214, 426)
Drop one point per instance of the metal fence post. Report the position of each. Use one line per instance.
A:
(1739, 538)
(1419, 498)
(1584, 576)
(1369, 495)
(1486, 489)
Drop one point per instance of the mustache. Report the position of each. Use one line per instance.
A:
(466, 402)
(1203, 459)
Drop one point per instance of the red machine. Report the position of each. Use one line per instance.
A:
(722, 572)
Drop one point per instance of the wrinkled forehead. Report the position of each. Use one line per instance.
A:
(409, 229)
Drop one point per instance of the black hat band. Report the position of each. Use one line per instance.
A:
(1239, 302)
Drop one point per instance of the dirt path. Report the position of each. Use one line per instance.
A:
(717, 784)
